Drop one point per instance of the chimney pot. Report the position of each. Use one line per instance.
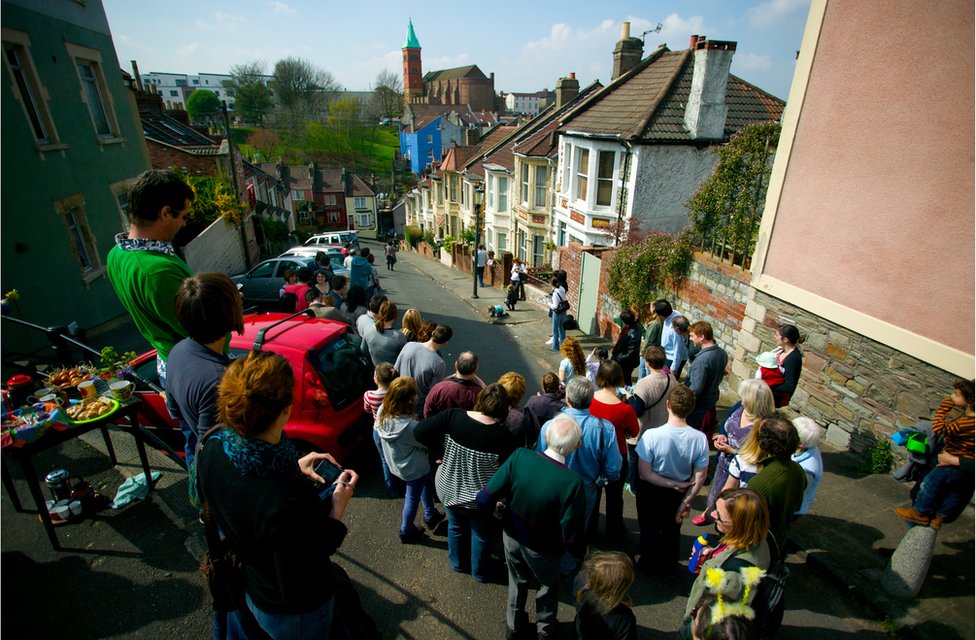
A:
(572, 75)
(625, 30)
(694, 41)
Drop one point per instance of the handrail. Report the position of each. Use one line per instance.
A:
(259, 339)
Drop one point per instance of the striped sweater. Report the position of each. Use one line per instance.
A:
(959, 434)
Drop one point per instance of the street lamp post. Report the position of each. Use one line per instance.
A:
(479, 193)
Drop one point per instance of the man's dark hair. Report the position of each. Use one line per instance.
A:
(682, 401)
(209, 307)
(305, 274)
(466, 363)
(966, 388)
(662, 308)
(338, 282)
(627, 317)
(777, 436)
(364, 253)
(442, 334)
(680, 323)
(154, 190)
(655, 356)
(376, 302)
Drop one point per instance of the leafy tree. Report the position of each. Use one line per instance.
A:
(726, 209)
(302, 89)
(343, 116)
(267, 143)
(202, 105)
(253, 99)
(387, 95)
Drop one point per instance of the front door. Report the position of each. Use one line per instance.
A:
(588, 292)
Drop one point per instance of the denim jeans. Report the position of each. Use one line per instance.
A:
(310, 625)
(418, 491)
(470, 533)
(394, 485)
(632, 465)
(944, 491)
(558, 330)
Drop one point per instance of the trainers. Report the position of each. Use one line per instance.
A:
(411, 536)
(549, 341)
(910, 514)
(434, 522)
(629, 489)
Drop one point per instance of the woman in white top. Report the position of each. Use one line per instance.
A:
(558, 316)
(518, 278)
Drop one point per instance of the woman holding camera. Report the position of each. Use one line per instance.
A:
(266, 502)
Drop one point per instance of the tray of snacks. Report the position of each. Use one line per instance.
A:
(28, 424)
(65, 379)
(84, 411)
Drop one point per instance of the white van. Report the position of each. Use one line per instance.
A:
(335, 237)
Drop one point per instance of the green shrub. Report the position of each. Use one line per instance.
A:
(642, 270)
(879, 459)
(429, 238)
(449, 243)
(412, 235)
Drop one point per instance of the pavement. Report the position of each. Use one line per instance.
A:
(849, 534)
(851, 530)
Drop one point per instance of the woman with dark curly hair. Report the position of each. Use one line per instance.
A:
(266, 500)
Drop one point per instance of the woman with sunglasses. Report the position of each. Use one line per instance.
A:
(740, 515)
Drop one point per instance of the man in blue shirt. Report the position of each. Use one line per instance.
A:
(360, 270)
(598, 454)
(673, 342)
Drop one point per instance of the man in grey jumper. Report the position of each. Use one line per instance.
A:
(705, 376)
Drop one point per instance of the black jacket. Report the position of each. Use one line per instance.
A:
(280, 528)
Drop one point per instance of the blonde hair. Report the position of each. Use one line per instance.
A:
(574, 352)
(514, 384)
(750, 518)
(750, 451)
(400, 400)
(411, 323)
(757, 398)
(609, 576)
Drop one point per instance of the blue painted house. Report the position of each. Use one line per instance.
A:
(421, 145)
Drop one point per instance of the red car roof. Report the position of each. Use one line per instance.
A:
(301, 332)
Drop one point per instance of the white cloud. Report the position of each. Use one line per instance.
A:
(282, 9)
(188, 50)
(751, 62)
(222, 22)
(771, 12)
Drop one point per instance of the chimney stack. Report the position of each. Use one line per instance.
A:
(566, 90)
(706, 110)
(627, 54)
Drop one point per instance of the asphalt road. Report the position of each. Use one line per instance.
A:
(132, 573)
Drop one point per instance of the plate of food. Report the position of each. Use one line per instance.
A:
(65, 379)
(90, 410)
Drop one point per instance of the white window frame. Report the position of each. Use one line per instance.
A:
(602, 180)
(502, 240)
(582, 166)
(297, 195)
(83, 55)
(359, 202)
(35, 103)
(81, 240)
(120, 191)
(502, 193)
(364, 220)
(524, 182)
(539, 194)
(491, 192)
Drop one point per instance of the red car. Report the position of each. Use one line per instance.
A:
(331, 374)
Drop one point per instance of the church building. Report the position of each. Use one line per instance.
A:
(458, 86)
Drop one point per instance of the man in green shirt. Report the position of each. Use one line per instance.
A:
(143, 266)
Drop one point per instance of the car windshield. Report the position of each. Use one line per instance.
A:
(349, 237)
(343, 369)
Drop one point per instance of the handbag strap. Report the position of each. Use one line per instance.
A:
(663, 393)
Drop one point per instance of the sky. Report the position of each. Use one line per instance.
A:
(528, 46)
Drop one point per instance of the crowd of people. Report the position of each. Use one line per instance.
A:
(526, 476)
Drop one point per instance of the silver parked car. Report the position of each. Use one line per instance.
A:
(262, 283)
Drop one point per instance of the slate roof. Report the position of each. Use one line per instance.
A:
(470, 71)
(161, 128)
(648, 103)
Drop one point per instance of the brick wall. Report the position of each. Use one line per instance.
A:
(163, 157)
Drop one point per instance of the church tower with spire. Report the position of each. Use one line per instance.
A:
(413, 79)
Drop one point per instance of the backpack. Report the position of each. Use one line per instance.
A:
(768, 602)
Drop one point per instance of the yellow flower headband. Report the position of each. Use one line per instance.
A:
(721, 582)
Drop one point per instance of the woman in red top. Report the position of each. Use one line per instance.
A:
(608, 406)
